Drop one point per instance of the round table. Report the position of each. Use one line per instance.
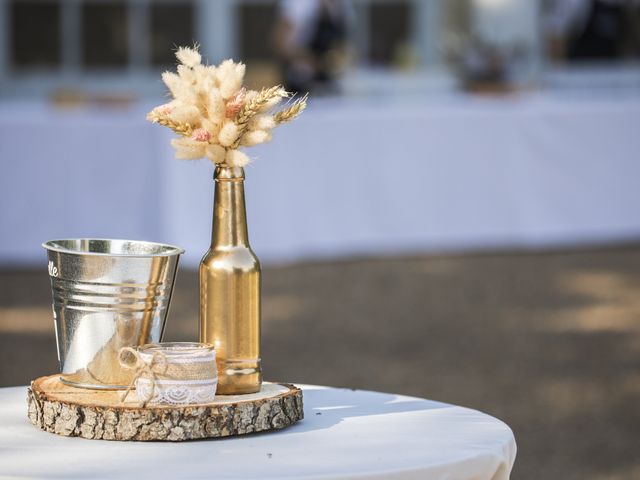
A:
(345, 434)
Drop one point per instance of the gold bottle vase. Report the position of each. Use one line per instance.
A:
(230, 289)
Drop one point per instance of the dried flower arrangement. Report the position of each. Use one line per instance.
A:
(214, 114)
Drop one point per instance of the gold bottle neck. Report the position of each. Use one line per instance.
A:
(229, 212)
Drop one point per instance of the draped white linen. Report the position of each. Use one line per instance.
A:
(346, 434)
(352, 176)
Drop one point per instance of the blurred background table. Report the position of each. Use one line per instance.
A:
(431, 173)
(346, 434)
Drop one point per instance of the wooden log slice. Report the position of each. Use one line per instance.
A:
(99, 414)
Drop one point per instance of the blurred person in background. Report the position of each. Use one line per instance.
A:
(311, 39)
(593, 29)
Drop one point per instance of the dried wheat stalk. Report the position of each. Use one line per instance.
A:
(253, 106)
(180, 128)
(292, 112)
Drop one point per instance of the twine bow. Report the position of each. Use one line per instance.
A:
(149, 370)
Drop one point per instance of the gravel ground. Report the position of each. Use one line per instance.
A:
(548, 342)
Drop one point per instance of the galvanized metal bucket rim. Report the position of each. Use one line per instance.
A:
(164, 249)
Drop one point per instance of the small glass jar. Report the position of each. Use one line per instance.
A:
(177, 373)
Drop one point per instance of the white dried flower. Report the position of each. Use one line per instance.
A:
(262, 122)
(190, 96)
(188, 56)
(216, 107)
(186, 114)
(210, 70)
(230, 76)
(173, 83)
(215, 153)
(255, 137)
(211, 127)
(236, 158)
(187, 74)
(188, 149)
(224, 69)
(201, 80)
(228, 133)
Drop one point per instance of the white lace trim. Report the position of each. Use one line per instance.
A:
(177, 392)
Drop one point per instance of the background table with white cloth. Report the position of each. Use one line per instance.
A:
(353, 176)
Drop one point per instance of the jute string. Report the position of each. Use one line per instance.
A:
(149, 370)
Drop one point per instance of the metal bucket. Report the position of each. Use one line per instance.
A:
(107, 294)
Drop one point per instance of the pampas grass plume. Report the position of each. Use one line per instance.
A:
(173, 83)
(188, 56)
(228, 133)
(186, 74)
(187, 149)
(232, 80)
(215, 107)
(215, 153)
(236, 158)
(262, 122)
(186, 114)
(255, 137)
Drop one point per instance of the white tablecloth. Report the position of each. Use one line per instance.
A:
(351, 176)
(345, 435)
